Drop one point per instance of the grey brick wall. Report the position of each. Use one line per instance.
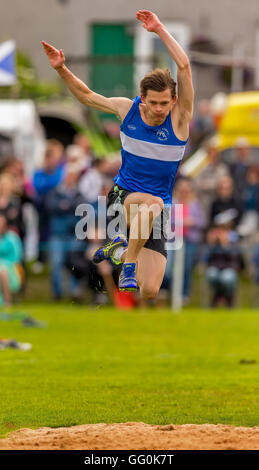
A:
(64, 24)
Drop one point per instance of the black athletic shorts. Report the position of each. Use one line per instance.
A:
(117, 195)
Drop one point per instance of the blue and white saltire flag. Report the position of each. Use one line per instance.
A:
(7, 63)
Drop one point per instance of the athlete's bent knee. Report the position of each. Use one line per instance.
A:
(157, 201)
(149, 292)
(155, 205)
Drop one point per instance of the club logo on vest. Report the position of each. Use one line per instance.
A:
(131, 127)
(162, 134)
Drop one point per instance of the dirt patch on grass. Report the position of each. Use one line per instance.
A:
(135, 436)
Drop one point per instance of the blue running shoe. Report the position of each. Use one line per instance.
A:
(107, 251)
(127, 280)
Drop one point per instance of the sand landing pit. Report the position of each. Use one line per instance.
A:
(135, 436)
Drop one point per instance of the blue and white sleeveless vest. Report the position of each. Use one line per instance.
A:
(150, 155)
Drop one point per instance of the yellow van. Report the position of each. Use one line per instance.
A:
(240, 118)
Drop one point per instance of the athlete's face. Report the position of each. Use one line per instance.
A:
(158, 104)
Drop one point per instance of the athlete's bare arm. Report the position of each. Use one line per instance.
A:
(184, 104)
(118, 106)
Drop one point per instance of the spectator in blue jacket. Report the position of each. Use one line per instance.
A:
(50, 175)
(44, 180)
(60, 205)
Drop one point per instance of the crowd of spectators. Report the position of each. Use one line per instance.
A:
(220, 216)
(221, 222)
(67, 178)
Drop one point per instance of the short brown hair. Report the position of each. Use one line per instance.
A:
(158, 80)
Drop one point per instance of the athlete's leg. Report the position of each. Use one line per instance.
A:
(150, 272)
(141, 210)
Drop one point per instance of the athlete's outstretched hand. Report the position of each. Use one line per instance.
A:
(150, 21)
(56, 57)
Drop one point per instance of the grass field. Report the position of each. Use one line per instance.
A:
(91, 366)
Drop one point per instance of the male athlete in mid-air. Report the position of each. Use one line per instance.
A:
(154, 132)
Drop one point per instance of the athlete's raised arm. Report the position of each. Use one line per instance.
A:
(118, 106)
(184, 77)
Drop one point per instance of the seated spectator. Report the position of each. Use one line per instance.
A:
(10, 205)
(249, 223)
(239, 168)
(99, 278)
(193, 226)
(91, 183)
(84, 143)
(60, 206)
(251, 189)
(224, 260)
(75, 159)
(225, 206)
(11, 270)
(96, 276)
(23, 187)
(24, 192)
(207, 180)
